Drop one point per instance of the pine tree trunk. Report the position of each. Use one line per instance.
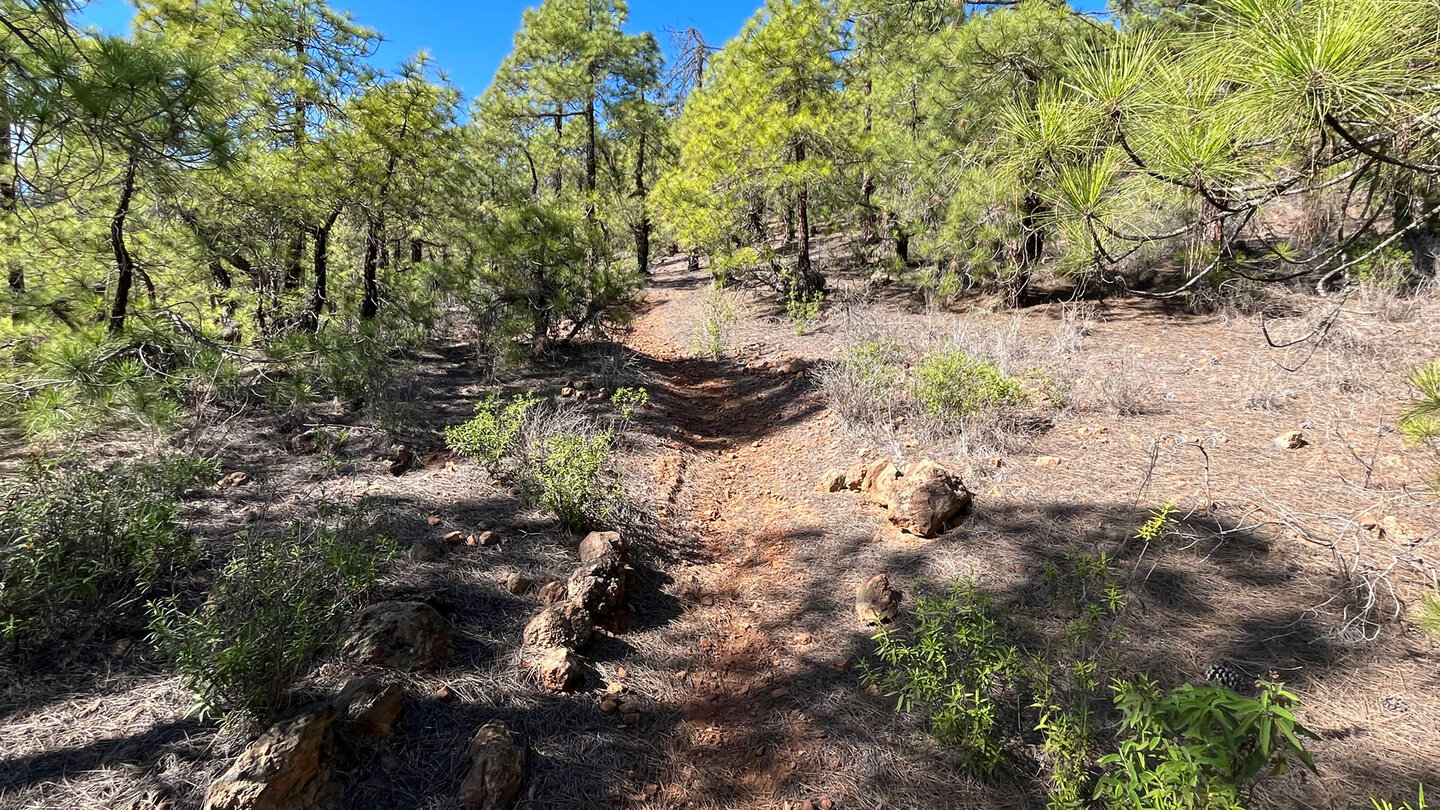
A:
(294, 265)
(642, 228)
(869, 223)
(124, 263)
(370, 299)
(9, 195)
(556, 181)
(319, 296)
(807, 281)
(417, 252)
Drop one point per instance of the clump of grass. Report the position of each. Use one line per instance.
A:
(1420, 421)
(1127, 391)
(1077, 322)
(717, 318)
(80, 547)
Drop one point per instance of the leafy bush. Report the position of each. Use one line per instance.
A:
(493, 433)
(630, 400)
(952, 664)
(80, 546)
(1198, 746)
(803, 310)
(719, 316)
(276, 604)
(953, 383)
(557, 458)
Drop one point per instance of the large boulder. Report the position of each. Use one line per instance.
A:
(564, 625)
(497, 769)
(368, 709)
(855, 476)
(598, 544)
(410, 636)
(289, 768)
(599, 585)
(927, 499)
(876, 602)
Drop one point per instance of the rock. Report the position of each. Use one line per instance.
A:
(876, 602)
(556, 669)
(403, 462)
(234, 479)
(855, 476)
(1291, 440)
(927, 499)
(410, 636)
(488, 538)
(1048, 461)
(832, 480)
(567, 392)
(609, 705)
(288, 768)
(553, 593)
(598, 544)
(600, 585)
(497, 769)
(880, 278)
(305, 444)
(428, 549)
(880, 482)
(516, 583)
(454, 538)
(368, 709)
(444, 694)
(564, 625)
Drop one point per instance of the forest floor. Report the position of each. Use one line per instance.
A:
(744, 650)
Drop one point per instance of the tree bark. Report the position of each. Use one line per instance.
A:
(319, 296)
(370, 299)
(807, 281)
(417, 252)
(124, 262)
(642, 228)
(9, 194)
(557, 179)
(294, 265)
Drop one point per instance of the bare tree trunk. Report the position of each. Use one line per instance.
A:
(869, 230)
(370, 299)
(124, 263)
(417, 252)
(319, 296)
(557, 180)
(642, 228)
(9, 194)
(294, 265)
(807, 281)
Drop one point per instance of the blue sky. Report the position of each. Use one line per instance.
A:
(468, 38)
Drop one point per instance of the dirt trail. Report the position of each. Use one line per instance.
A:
(771, 712)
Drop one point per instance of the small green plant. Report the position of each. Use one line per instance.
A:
(494, 432)
(951, 665)
(1160, 524)
(1429, 618)
(1198, 746)
(271, 609)
(1386, 804)
(718, 317)
(569, 480)
(557, 459)
(79, 546)
(630, 400)
(803, 310)
(1420, 420)
(952, 383)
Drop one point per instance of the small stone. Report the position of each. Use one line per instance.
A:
(826, 803)
(557, 669)
(629, 707)
(832, 480)
(564, 625)
(631, 719)
(802, 638)
(444, 694)
(369, 710)
(428, 549)
(488, 538)
(843, 665)
(1048, 461)
(403, 462)
(567, 392)
(622, 672)
(876, 602)
(517, 583)
(433, 520)
(1291, 440)
(608, 705)
(553, 593)
(598, 544)
(455, 538)
(497, 769)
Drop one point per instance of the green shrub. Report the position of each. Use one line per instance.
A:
(1420, 421)
(569, 479)
(953, 383)
(80, 546)
(558, 459)
(864, 386)
(952, 665)
(1429, 618)
(494, 432)
(277, 603)
(630, 400)
(1198, 746)
(803, 310)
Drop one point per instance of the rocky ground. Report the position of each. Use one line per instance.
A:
(725, 674)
